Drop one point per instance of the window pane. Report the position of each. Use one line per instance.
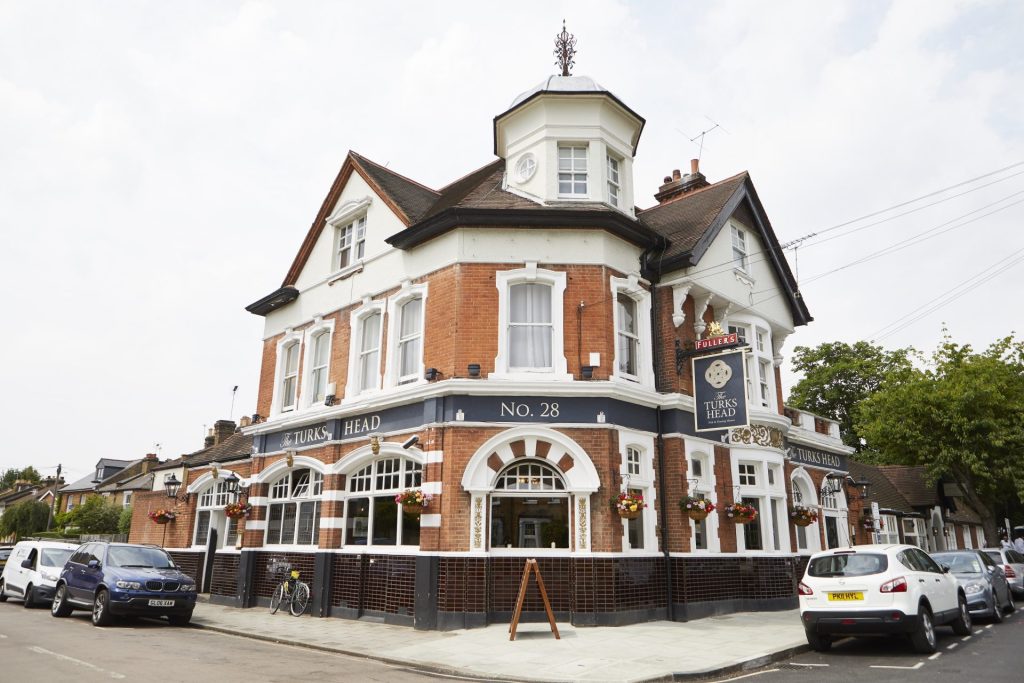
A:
(752, 530)
(530, 303)
(288, 523)
(635, 528)
(357, 521)
(274, 524)
(411, 317)
(231, 537)
(530, 347)
(307, 520)
(202, 527)
(410, 529)
(385, 521)
(529, 522)
(700, 535)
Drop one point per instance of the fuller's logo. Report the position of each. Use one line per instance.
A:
(718, 374)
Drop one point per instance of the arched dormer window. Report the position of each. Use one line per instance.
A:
(293, 512)
(529, 507)
(371, 513)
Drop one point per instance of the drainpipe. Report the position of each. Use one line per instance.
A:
(659, 443)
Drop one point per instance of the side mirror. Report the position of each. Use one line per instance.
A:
(26, 564)
(945, 569)
(93, 564)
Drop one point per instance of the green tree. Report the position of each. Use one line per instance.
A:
(124, 522)
(838, 376)
(13, 474)
(962, 418)
(25, 518)
(96, 515)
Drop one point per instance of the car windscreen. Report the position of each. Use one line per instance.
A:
(130, 556)
(848, 564)
(54, 557)
(959, 563)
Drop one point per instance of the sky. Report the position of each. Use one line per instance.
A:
(161, 162)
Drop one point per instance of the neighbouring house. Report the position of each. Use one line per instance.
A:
(110, 480)
(519, 346)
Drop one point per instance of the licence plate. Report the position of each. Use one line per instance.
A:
(856, 595)
(161, 603)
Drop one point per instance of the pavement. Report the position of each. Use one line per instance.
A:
(652, 651)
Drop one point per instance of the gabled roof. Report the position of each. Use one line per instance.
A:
(692, 221)
(235, 447)
(912, 483)
(881, 489)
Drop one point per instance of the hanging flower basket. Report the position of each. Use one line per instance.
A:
(803, 516)
(696, 508)
(740, 513)
(237, 510)
(629, 505)
(413, 501)
(162, 516)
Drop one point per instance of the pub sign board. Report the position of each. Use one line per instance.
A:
(720, 391)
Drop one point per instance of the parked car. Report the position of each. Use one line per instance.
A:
(879, 590)
(5, 552)
(114, 579)
(1013, 567)
(32, 570)
(983, 581)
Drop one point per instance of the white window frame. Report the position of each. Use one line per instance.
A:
(740, 249)
(393, 376)
(643, 480)
(573, 173)
(631, 287)
(834, 505)
(760, 361)
(613, 173)
(126, 499)
(312, 492)
(707, 485)
(212, 500)
(354, 389)
(410, 475)
(320, 326)
(504, 279)
(349, 214)
(802, 483)
(768, 495)
(290, 337)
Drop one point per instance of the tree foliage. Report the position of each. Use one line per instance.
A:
(96, 515)
(124, 522)
(13, 474)
(838, 376)
(25, 518)
(962, 418)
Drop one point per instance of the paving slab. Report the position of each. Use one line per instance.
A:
(659, 650)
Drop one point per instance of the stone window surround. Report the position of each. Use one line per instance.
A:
(530, 273)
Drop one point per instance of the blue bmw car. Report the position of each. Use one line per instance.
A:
(114, 579)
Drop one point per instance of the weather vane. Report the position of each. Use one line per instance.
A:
(565, 50)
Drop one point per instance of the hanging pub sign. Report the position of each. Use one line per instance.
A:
(720, 391)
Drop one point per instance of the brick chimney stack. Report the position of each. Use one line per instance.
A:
(222, 429)
(210, 439)
(678, 184)
(149, 461)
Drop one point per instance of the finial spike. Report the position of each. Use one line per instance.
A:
(565, 50)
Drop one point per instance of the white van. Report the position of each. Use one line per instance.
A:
(32, 570)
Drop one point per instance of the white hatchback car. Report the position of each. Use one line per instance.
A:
(879, 590)
(32, 570)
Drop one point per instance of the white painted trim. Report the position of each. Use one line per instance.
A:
(394, 360)
(703, 450)
(432, 521)
(281, 466)
(290, 337)
(257, 501)
(630, 286)
(319, 326)
(644, 481)
(433, 457)
(556, 280)
(332, 522)
(359, 458)
(478, 477)
(255, 524)
(358, 316)
(432, 488)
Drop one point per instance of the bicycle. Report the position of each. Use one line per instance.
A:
(293, 592)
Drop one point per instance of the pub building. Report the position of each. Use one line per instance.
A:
(519, 345)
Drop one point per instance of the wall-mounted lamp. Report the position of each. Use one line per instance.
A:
(234, 485)
(172, 486)
(375, 443)
(289, 458)
(431, 374)
(832, 485)
(332, 394)
(474, 369)
(863, 485)
(257, 418)
(587, 371)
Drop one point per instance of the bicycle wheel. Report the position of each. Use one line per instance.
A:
(275, 599)
(300, 599)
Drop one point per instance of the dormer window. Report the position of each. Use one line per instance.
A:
(614, 183)
(351, 242)
(572, 170)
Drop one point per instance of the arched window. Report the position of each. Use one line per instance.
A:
(293, 516)
(807, 537)
(529, 507)
(371, 514)
(834, 513)
(210, 515)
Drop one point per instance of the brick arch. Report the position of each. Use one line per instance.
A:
(567, 456)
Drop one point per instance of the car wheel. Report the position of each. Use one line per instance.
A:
(60, 606)
(923, 638)
(962, 625)
(179, 619)
(3, 597)
(1010, 604)
(997, 611)
(101, 609)
(30, 597)
(818, 642)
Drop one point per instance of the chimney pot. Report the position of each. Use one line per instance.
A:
(676, 175)
(668, 179)
(694, 166)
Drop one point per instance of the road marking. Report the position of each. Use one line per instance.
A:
(799, 664)
(951, 646)
(43, 651)
(756, 673)
(988, 627)
(2, 636)
(909, 668)
(936, 655)
(965, 639)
